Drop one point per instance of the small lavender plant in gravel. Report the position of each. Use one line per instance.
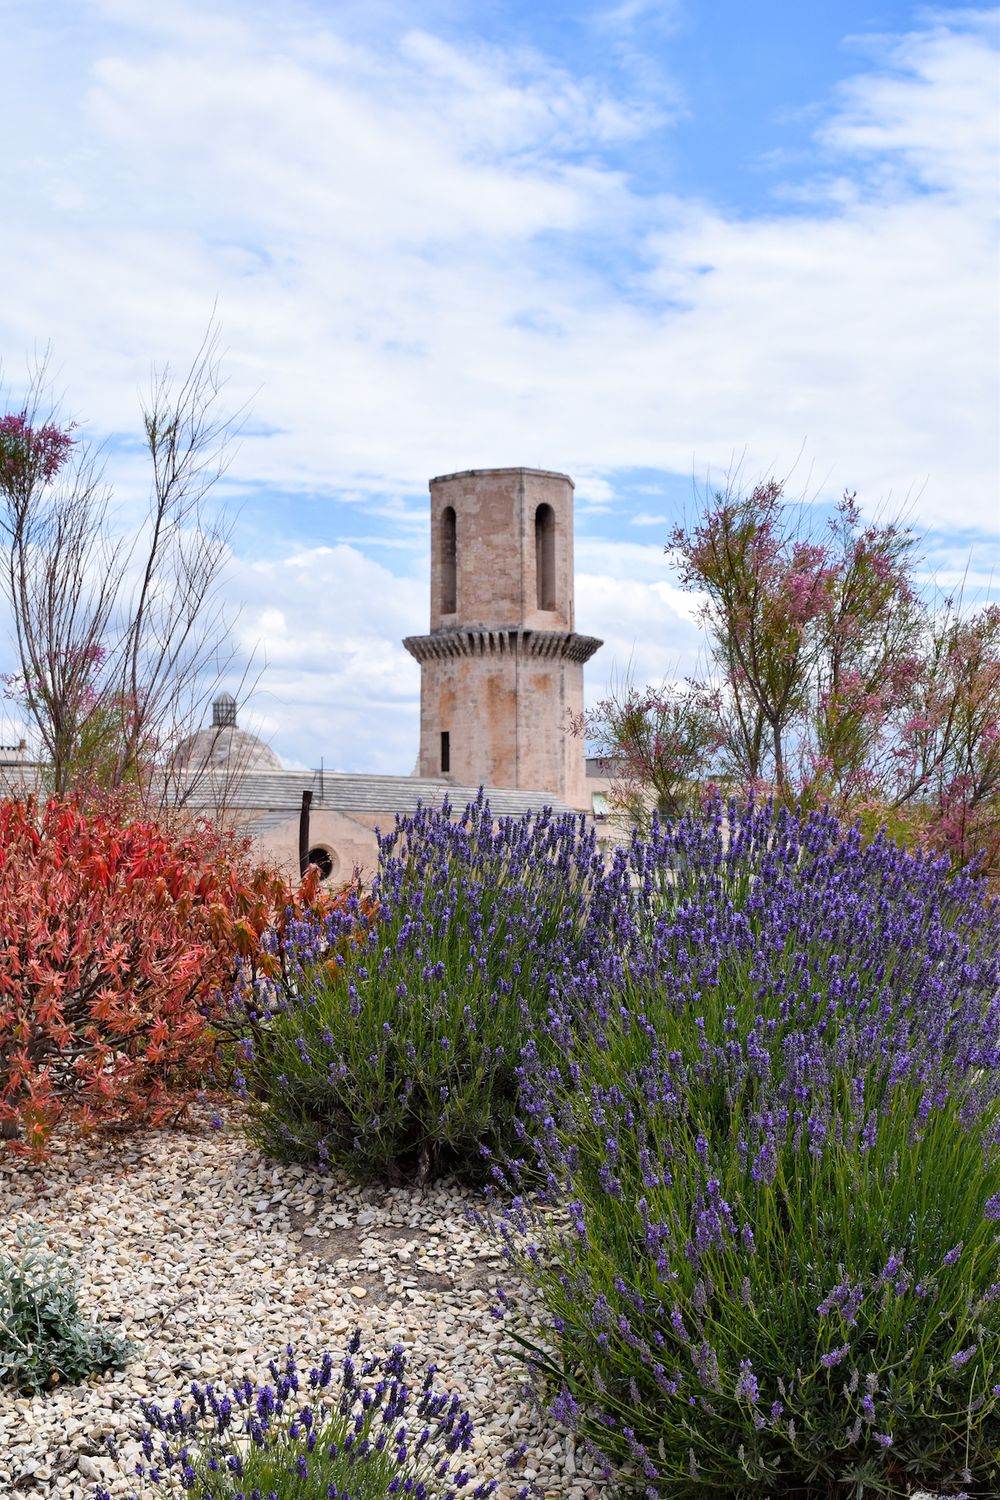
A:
(771, 1132)
(366, 1437)
(391, 1043)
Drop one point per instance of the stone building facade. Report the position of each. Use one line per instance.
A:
(501, 676)
(501, 670)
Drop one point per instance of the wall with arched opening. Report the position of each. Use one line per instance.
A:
(347, 840)
(326, 860)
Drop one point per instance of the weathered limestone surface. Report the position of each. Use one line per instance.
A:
(501, 676)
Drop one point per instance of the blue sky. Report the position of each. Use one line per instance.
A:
(649, 244)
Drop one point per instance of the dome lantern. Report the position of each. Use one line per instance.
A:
(224, 712)
(224, 748)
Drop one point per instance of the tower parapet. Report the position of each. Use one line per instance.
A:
(502, 667)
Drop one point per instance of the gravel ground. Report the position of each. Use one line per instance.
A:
(213, 1258)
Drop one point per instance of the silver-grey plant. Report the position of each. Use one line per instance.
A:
(44, 1338)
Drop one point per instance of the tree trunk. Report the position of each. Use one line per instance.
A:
(779, 762)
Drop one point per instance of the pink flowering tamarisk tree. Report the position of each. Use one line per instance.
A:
(61, 572)
(833, 683)
(657, 744)
(950, 751)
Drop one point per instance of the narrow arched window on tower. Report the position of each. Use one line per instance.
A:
(449, 561)
(545, 556)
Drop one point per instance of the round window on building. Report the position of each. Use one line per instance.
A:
(326, 860)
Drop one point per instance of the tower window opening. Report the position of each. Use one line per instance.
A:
(449, 561)
(545, 556)
(445, 752)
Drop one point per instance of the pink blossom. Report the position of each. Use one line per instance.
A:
(28, 452)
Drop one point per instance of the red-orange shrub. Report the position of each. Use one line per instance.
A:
(116, 937)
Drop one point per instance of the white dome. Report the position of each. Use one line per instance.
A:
(224, 747)
(227, 749)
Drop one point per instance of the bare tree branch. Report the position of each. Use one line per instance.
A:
(120, 644)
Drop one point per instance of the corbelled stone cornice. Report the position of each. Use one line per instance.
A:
(463, 640)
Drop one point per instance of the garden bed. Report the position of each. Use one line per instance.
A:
(213, 1258)
(747, 1073)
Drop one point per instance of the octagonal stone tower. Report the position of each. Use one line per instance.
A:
(502, 668)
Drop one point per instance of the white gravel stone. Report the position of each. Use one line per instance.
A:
(212, 1258)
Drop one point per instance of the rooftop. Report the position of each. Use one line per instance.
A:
(279, 793)
(518, 469)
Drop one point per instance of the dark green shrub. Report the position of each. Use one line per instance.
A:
(43, 1337)
(390, 1045)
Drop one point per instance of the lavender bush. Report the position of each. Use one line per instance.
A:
(371, 1437)
(768, 1124)
(391, 1046)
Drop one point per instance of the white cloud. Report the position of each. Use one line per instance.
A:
(626, 13)
(378, 261)
(648, 631)
(410, 243)
(925, 115)
(326, 624)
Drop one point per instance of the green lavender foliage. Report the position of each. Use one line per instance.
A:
(391, 1045)
(772, 1137)
(368, 1434)
(44, 1338)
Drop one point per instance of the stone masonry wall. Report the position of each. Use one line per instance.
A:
(499, 675)
(495, 516)
(506, 704)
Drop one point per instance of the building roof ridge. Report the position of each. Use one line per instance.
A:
(503, 469)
